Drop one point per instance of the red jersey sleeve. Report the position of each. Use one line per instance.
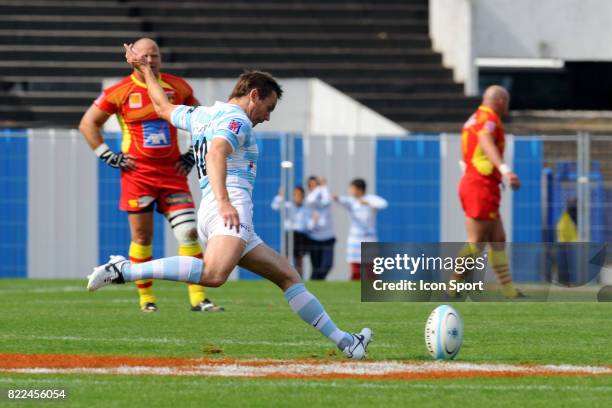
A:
(110, 99)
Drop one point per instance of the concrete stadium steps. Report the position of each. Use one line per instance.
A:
(221, 54)
(414, 114)
(214, 9)
(223, 69)
(288, 40)
(348, 3)
(69, 37)
(213, 24)
(213, 39)
(20, 83)
(94, 22)
(47, 98)
(65, 8)
(286, 9)
(68, 116)
(381, 101)
(404, 85)
(54, 53)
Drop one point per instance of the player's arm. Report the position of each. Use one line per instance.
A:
(216, 169)
(278, 200)
(344, 201)
(376, 202)
(325, 197)
(91, 129)
(162, 105)
(487, 144)
(186, 160)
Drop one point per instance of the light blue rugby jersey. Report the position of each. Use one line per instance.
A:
(227, 121)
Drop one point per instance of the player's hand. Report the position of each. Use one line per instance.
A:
(513, 180)
(322, 181)
(137, 60)
(185, 162)
(230, 215)
(116, 160)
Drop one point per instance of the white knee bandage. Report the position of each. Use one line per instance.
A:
(183, 224)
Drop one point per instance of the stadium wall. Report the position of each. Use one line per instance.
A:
(450, 27)
(570, 30)
(60, 214)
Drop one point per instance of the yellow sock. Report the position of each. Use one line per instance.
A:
(143, 253)
(499, 261)
(469, 250)
(196, 292)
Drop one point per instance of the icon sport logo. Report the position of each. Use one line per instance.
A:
(234, 126)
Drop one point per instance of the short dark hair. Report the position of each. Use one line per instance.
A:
(360, 184)
(262, 81)
(299, 188)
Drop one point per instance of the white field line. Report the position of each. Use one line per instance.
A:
(271, 368)
(81, 301)
(61, 289)
(232, 383)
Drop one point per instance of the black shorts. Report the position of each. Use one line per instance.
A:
(301, 243)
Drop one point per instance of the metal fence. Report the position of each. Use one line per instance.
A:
(59, 208)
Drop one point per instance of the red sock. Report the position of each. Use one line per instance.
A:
(355, 271)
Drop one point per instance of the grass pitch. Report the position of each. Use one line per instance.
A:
(40, 316)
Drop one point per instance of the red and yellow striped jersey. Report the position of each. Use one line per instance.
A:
(478, 165)
(146, 137)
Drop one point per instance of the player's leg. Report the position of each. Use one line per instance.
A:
(141, 250)
(222, 255)
(355, 271)
(299, 249)
(353, 257)
(224, 252)
(327, 261)
(499, 260)
(477, 225)
(182, 219)
(316, 260)
(267, 263)
(478, 232)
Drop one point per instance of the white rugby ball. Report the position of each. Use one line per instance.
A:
(444, 333)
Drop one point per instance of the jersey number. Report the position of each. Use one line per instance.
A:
(199, 150)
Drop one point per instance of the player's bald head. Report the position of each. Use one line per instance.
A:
(497, 98)
(495, 92)
(145, 43)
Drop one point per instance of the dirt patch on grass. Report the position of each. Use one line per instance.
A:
(391, 370)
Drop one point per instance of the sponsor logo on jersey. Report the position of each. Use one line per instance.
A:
(234, 126)
(156, 133)
(135, 100)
